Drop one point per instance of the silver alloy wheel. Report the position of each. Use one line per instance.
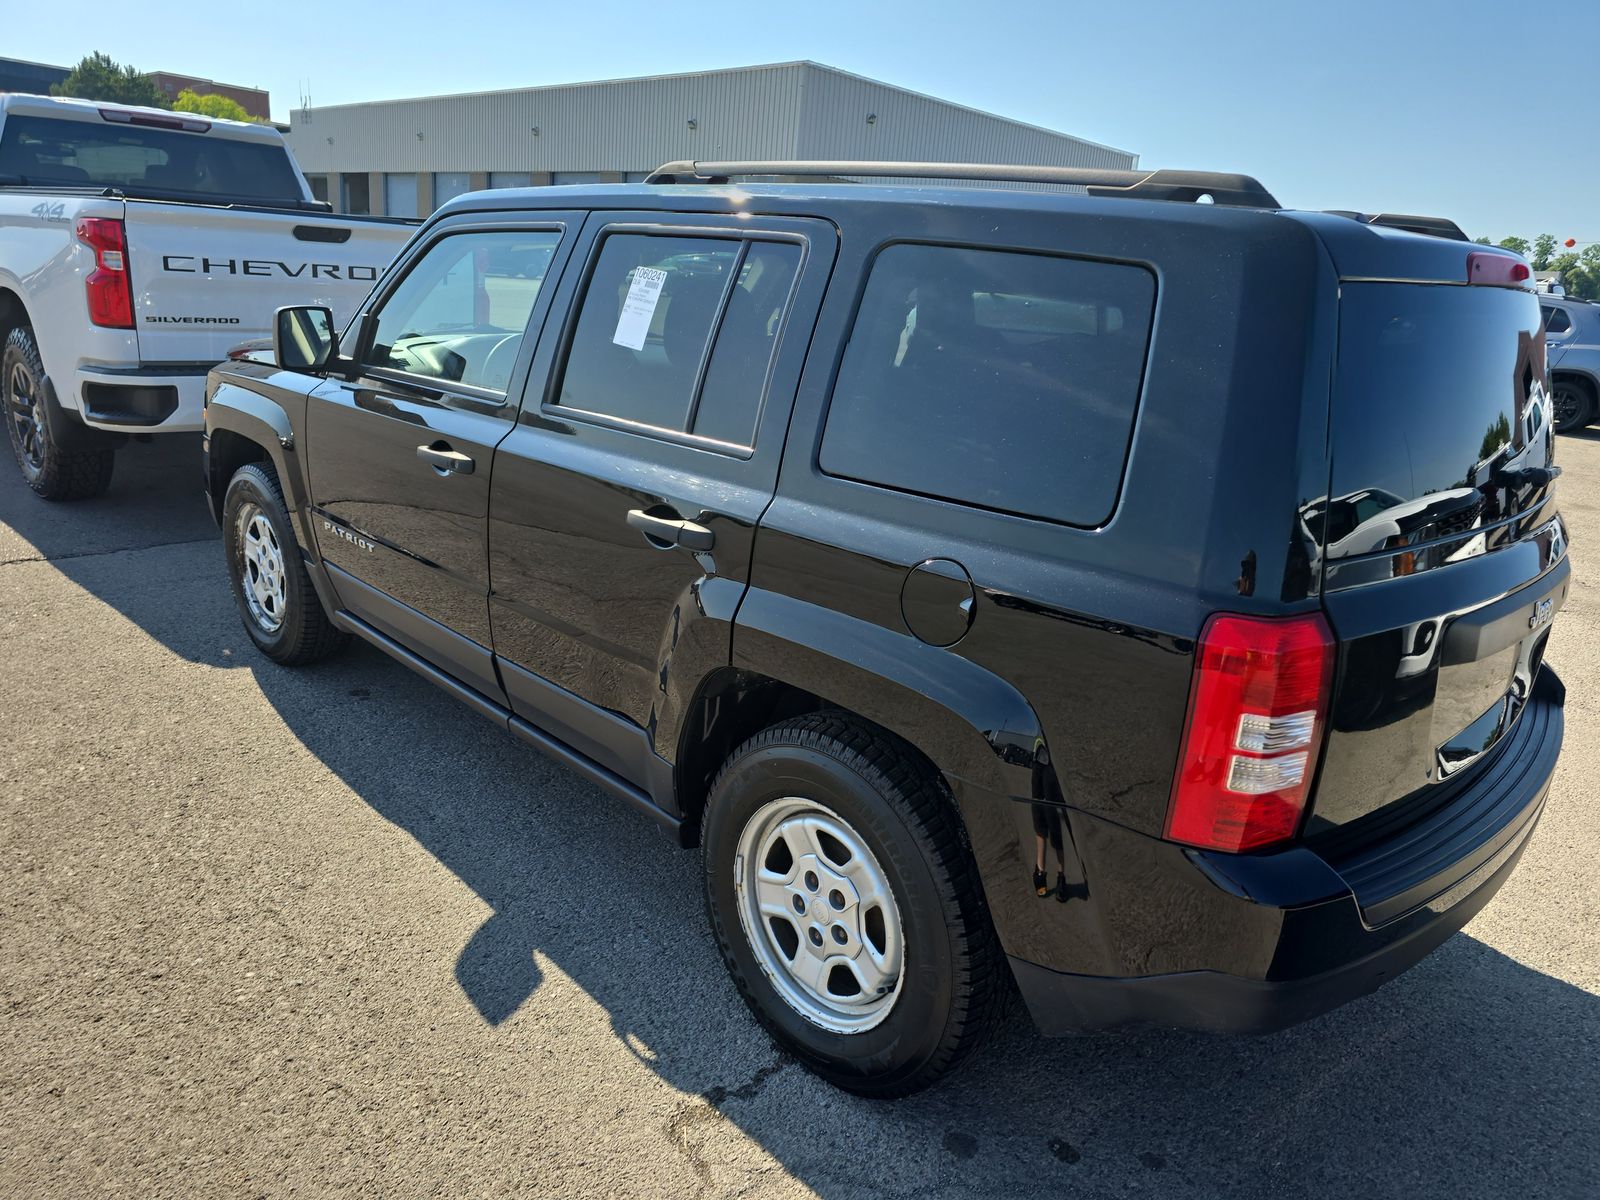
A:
(261, 567)
(819, 914)
(23, 400)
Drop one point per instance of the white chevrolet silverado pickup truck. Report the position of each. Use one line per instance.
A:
(137, 247)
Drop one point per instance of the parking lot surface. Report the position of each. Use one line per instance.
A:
(273, 932)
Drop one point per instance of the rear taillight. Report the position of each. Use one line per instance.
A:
(1497, 270)
(110, 295)
(1257, 709)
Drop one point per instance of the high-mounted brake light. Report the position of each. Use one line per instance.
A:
(109, 293)
(155, 120)
(1497, 270)
(1257, 710)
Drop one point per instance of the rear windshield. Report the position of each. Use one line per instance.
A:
(137, 159)
(1438, 404)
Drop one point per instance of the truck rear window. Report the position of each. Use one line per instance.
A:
(43, 151)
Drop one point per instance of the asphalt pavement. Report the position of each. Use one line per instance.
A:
(275, 932)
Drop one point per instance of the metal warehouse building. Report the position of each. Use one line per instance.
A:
(406, 157)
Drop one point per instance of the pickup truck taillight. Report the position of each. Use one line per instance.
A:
(109, 292)
(1257, 710)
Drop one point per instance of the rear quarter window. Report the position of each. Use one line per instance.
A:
(998, 379)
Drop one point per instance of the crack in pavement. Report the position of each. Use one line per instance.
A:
(11, 562)
(705, 1109)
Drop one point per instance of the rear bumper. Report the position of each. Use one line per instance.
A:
(146, 400)
(1266, 941)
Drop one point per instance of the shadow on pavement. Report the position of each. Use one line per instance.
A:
(155, 500)
(1470, 1075)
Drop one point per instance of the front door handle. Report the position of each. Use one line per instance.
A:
(441, 457)
(662, 532)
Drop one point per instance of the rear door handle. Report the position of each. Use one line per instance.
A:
(440, 456)
(668, 531)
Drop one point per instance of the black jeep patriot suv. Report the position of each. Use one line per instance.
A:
(1140, 600)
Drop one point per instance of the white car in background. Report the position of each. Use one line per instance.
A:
(137, 247)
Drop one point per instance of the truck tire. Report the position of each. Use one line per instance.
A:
(1572, 403)
(51, 471)
(279, 605)
(847, 906)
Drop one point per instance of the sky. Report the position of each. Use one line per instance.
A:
(1416, 106)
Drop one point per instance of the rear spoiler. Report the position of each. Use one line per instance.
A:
(1433, 226)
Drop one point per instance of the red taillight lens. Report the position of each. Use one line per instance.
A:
(1257, 710)
(1497, 270)
(110, 295)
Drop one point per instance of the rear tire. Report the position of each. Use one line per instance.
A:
(1573, 404)
(52, 472)
(852, 844)
(279, 605)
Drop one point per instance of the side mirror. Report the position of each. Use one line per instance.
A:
(303, 338)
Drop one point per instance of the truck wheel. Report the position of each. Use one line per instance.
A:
(281, 610)
(847, 906)
(52, 472)
(1573, 405)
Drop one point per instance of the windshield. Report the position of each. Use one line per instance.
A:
(46, 151)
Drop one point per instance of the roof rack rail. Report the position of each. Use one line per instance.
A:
(1434, 226)
(1239, 191)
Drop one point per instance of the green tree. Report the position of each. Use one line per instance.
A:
(223, 108)
(1483, 241)
(1520, 245)
(97, 77)
(1498, 434)
(1580, 273)
(1544, 248)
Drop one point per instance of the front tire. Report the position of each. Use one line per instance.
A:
(847, 906)
(52, 472)
(1573, 405)
(277, 601)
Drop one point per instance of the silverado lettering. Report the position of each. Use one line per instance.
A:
(153, 320)
(185, 264)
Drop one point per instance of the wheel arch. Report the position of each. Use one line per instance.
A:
(968, 725)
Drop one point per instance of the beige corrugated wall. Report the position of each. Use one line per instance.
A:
(790, 110)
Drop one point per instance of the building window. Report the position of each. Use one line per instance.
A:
(400, 195)
(560, 177)
(319, 186)
(447, 185)
(354, 196)
(509, 179)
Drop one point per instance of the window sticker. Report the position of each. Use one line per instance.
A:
(644, 293)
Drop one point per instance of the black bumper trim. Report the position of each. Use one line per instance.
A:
(1062, 1003)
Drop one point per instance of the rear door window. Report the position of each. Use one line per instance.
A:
(1003, 380)
(1555, 320)
(677, 333)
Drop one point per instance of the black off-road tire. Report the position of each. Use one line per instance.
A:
(1577, 399)
(304, 633)
(51, 471)
(956, 979)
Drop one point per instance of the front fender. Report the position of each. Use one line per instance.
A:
(248, 402)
